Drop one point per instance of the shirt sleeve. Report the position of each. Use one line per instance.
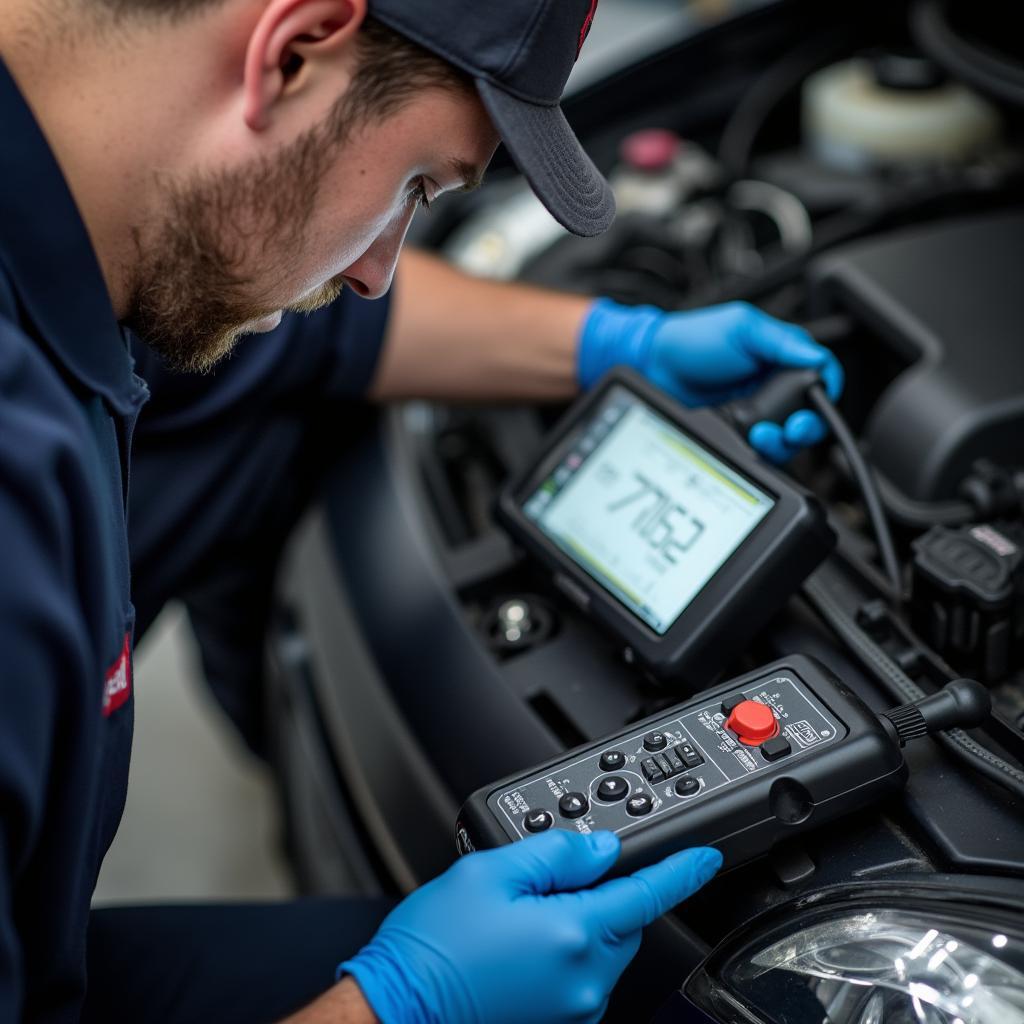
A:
(328, 356)
(44, 645)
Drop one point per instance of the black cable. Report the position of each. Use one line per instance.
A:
(865, 481)
(903, 689)
(985, 69)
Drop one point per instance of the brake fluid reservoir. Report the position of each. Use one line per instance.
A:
(893, 109)
(658, 171)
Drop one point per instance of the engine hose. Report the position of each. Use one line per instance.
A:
(922, 514)
(902, 688)
(998, 75)
(783, 77)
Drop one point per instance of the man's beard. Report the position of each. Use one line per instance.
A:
(190, 298)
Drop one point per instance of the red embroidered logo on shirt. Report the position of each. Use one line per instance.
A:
(118, 686)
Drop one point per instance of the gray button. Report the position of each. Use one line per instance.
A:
(613, 788)
(687, 786)
(573, 805)
(655, 741)
(639, 805)
(776, 747)
(689, 756)
(538, 821)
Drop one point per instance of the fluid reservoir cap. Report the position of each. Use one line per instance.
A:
(650, 151)
(753, 722)
(906, 70)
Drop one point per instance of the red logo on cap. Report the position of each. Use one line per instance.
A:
(587, 23)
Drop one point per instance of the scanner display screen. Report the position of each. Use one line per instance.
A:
(643, 509)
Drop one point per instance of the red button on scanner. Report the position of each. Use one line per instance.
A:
(753, 722)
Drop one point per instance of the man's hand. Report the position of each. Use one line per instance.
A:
(710, 356)
(515, 934)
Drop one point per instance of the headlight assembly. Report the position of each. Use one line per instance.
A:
(892, 958)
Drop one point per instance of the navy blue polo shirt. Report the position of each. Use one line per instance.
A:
(69, 402)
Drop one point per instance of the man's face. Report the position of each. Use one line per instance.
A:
(235, 247)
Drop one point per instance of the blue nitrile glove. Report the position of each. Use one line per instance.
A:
(707, 357)
(513, 934)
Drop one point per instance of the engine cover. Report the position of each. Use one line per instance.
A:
(949, 300)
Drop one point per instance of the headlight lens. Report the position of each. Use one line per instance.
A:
(870, 966)
(886, 966)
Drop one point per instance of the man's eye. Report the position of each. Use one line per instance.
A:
(420, 195)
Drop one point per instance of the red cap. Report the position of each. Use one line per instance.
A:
(753, 722)
(651, 150)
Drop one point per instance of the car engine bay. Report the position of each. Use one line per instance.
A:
(854, 168)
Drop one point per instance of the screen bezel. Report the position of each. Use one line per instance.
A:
(568, 441)
(663, 652)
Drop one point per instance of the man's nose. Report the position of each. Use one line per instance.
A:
(370, 276)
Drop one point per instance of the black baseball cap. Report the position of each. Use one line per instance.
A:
(520, 54)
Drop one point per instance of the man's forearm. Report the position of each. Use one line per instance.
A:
(343, 1004)
(455, 337)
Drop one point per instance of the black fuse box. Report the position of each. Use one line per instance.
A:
(968, 597)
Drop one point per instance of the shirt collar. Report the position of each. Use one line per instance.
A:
(50, 262)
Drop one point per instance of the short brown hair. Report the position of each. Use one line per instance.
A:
(393, 68)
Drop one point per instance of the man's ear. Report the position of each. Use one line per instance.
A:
(287, 36)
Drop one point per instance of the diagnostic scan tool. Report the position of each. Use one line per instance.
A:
(665, 526)
(739, 767)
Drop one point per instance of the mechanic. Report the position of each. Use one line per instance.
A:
(175, 174)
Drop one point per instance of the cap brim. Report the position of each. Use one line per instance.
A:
(546, 150)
